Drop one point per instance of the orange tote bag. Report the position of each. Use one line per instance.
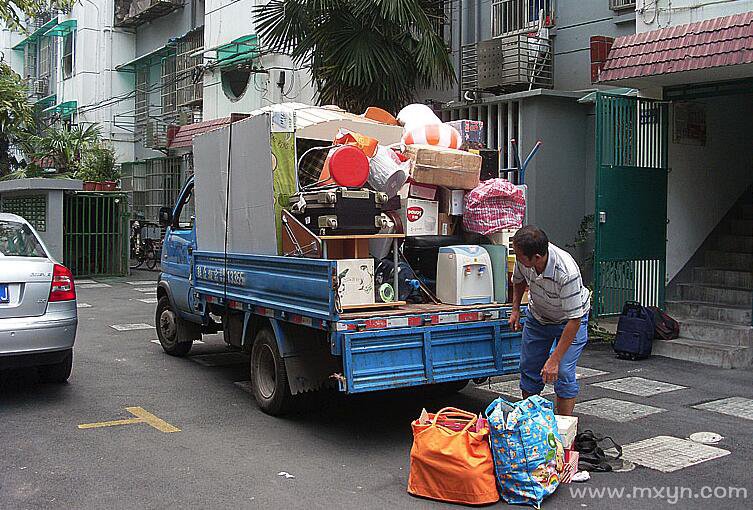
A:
(452, 463)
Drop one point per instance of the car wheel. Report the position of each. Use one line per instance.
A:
(269, 376)
(57, 372)
(167, 322)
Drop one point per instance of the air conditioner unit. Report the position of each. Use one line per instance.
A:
(155, 134)
(185, 117)
(40, 87)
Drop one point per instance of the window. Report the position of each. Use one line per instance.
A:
(141, 114)
(235, 82)
(17, 240)
(68, 48)
(511, 16)
(168, 89)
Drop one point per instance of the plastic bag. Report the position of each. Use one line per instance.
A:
(528, 455)
(493, 206)
(386, 172)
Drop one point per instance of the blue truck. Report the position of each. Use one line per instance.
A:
(284, 311)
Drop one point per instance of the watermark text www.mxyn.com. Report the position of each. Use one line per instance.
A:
(669, 494)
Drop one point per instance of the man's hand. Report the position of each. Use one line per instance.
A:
(515, 320)
(551, 370)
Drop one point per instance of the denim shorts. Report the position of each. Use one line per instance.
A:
(538, 342)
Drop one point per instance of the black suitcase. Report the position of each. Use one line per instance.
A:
(340, 211)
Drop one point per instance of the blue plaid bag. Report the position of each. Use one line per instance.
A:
(527, 449)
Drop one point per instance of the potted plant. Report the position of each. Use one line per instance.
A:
(98, 168)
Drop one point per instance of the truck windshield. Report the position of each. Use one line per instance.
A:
(18, 240)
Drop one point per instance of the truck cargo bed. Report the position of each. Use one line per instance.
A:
(410, 309)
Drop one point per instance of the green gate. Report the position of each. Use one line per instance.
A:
(95, 233)
(631, 202)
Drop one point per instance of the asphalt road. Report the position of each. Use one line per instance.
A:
(342, 452)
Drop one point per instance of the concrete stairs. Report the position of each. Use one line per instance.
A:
(715, 307)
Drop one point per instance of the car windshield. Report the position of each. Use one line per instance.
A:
(17, 240)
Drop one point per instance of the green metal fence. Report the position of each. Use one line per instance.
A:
(95, 233)
(631, 202)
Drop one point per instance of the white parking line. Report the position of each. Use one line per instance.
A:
(638, 386)
(141, 282)
(131, 327)
(92, 285)
(196, 342)
(83, 305)
(149, 301)
(146, 289)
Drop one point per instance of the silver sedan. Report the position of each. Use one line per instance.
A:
(38, 317)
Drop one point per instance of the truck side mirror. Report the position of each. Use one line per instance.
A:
(165, 216)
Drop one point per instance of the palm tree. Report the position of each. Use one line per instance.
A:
(66, 147)
(361, 52)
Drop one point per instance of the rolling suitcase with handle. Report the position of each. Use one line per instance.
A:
(635, 332)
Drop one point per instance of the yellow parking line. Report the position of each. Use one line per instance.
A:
(98, 424)
(141, 416)
(152, 420)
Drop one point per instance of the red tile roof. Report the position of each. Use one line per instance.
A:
(184, 136)
(711, 43)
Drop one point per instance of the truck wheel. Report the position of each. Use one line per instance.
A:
(269, 376)
(58, 372)
(167, 329)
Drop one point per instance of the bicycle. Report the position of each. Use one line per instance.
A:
(143, 250)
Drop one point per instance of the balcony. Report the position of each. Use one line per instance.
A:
(508, 64)
(520, 16)
(621, 5)
(132, 13)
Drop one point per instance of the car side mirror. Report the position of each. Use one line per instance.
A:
(165, 216)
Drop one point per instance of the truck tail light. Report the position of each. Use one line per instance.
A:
(62, 288)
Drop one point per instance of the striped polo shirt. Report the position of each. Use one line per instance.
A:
(558, 294)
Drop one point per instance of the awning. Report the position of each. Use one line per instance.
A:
(240, 50)
(36, 34)
(147, 60)
(62, 29)
(46, 102)
(184, 136)
(63, 109)
(710, 50)
(591, 96)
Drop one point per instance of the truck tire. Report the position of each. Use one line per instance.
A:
(269, 376)
(57, 372)
(168, 323)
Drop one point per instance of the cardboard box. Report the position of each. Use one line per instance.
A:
(471, 131)
(420, 217)
(567, 426)
(450, 168)
(452, 201)
(356, 282)
(447, 224)
(424, 191)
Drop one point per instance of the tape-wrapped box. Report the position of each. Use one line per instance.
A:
(439, 166)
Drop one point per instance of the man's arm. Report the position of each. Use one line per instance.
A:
(552, 366)
(518, 289)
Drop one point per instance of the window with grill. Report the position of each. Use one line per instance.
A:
(30, 60)
(512, 16)
(168, 89)
(69, 43)
(141, 113)
(190, 87)
(32, 208)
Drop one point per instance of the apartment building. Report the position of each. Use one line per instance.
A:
(146, 69)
